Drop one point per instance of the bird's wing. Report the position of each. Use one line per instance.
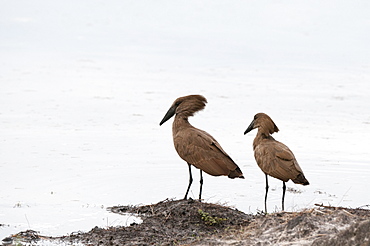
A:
(200, 149)
(277, 160)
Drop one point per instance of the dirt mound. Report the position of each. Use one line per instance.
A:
(169, 222)
(190, 222)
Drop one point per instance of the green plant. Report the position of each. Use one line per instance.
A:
(210, 220)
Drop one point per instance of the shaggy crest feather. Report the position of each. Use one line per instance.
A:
(188, 105)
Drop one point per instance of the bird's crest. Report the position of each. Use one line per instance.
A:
(265, 124)
(188, 105)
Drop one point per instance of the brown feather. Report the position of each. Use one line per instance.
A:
(202, 151)
(197, 147)
(188, 105)
(273, 157)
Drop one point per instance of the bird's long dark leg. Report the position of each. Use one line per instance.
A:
(284, 188)
(201, 185)
(190, 182)
(267, 189)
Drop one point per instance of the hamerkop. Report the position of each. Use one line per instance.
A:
(274, 158)
(197, 147)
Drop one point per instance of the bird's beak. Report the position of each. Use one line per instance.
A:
(171, 112)
(250, 127)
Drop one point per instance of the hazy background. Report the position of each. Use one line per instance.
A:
(84, 85)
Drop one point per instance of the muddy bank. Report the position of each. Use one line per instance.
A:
(168, 223)
(190, 222)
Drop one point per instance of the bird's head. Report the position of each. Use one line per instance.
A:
(186, 106)
(264, 124)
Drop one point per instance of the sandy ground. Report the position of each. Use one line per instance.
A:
(190, 222)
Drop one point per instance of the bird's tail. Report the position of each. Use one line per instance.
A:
(301, 179)
(237, 173)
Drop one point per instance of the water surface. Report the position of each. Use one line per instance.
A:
(83, 87)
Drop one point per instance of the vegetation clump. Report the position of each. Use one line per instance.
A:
(210, 220)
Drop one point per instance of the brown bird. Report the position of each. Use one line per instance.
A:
(274, 158)
(197, 147)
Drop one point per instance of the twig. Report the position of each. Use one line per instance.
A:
(29, 226)
(344, 195)
(318, 211)
(330, 207)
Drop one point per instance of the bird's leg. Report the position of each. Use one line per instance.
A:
(267, 188)
(201, 184)
(284, 188)
(190, 182)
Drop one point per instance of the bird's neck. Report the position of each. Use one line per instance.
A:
(180, 122)
(261, 136)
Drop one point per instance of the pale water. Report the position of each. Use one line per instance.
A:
(84, 85)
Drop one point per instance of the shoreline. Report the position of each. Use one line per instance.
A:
(190, 222)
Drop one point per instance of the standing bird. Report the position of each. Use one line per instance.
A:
(195, 146)
(274, 158)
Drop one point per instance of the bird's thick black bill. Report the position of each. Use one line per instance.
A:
(168, 115)
(250, 127)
